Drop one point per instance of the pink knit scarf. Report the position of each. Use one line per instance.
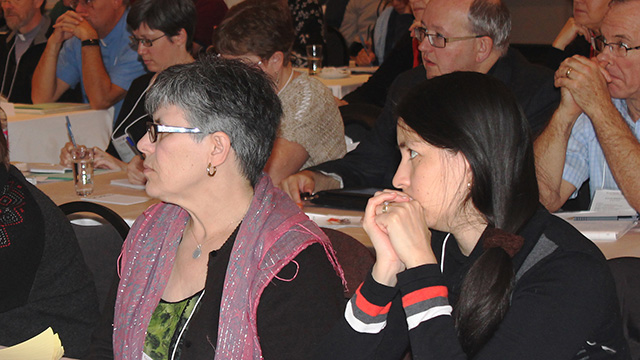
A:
(273, 232)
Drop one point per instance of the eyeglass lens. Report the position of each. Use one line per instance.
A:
(152, 130)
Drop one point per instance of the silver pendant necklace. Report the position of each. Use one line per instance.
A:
(197, 252)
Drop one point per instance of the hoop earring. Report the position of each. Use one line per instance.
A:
(211, 171)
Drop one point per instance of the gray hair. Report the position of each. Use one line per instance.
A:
(228, 96)
(491, 18)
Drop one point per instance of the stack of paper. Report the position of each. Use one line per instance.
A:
(608, 219)
(50, 108)
(599, 226)
(45, 346)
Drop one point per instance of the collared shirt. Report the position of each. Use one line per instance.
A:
(585, 158)
(119, 58)
(23, 41)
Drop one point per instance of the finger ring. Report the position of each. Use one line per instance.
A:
(569, 70)
(385, 207)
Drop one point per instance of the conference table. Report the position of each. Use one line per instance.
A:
(39, 137)
(63, 192)
(341, 86)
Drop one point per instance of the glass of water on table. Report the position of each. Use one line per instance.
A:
(314, 58)
(83, 170)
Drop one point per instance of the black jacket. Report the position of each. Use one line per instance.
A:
(21, 91)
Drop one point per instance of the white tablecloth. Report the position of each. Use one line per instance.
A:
(341, 87)
(38, 138)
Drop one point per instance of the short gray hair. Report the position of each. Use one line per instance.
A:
(491, 18)
(216, 94)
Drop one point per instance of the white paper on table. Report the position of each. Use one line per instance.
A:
(598, 230)
(127, 184)
(48, 169)
(364, 69)
(116, 199)
(335, 221)
(611, 201)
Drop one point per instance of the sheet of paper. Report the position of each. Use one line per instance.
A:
(127, 184)
(48, 168)
(335, 221)
(116, 199)
(45, 346)
(611, 201)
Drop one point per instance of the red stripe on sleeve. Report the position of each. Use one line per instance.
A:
(424, 294)
(369, 308)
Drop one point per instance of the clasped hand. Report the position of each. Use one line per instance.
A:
(583, 83)
(72, 24)
(397, 227)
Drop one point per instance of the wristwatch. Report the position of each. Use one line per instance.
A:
(91, 42)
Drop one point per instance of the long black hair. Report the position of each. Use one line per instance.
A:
(477, 115)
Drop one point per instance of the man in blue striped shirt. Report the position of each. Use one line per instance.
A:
(594, 133)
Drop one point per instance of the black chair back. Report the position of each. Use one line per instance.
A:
(626, 273)
(336, 52)
(100, 244)
(356, 259)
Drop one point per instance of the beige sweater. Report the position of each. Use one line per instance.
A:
(312, 119)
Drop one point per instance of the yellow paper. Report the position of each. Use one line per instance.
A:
(45, 346)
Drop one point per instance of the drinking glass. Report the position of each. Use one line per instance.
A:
(82, 170)
(314, 58)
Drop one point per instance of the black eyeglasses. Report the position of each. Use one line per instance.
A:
(153, 129)
(438, 40)
(145, 42)
(619, 48)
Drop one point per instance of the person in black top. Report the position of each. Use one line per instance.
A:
(468, 263)
(163, 35)
(576, 37)
(21, 48)
(45, 281)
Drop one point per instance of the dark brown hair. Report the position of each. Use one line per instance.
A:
(477, 115)
(258, 27)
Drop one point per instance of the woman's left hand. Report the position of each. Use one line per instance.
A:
(103, 160)
(405, 223)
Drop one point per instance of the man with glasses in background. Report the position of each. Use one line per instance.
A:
(21, 48)
(455, 35)
(594, 133)
(97, 54)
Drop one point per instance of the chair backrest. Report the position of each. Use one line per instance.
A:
(356, 259)
(626, 273)
(100, 244)
(336, 51)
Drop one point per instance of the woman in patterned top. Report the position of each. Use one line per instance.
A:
(311, 131)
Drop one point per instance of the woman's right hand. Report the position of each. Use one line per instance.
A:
(568, 33)
(65, 155)
(365, 57)
(399, 233)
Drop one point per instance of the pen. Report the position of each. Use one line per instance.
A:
(605, 218)
(364, 45)
(133, 145)
(73, 140)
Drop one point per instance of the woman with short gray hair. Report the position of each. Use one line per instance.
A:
(227, 266)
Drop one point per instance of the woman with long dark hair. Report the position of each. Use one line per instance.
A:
(469, 265)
